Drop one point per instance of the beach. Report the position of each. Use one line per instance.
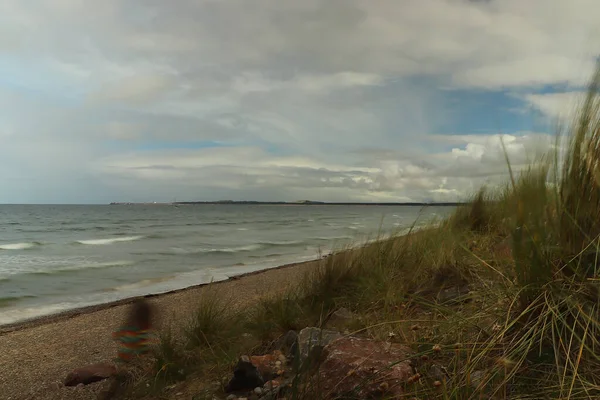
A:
(37, 355)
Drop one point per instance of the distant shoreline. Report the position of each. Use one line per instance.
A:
(284, 203)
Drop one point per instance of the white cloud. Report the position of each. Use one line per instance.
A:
(557, 106)
(450, 176)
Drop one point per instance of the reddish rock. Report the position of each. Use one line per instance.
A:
(268, 364)
(369, 369)
(90, 374)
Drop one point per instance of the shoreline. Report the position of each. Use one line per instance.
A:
(74, 312)
(37, 354)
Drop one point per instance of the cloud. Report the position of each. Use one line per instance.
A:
(324, 99)
(450, 175)
(134, 89)
(558, 106)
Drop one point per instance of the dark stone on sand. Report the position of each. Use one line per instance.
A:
(90, 374)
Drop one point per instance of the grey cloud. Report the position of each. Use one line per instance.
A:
(321, 80)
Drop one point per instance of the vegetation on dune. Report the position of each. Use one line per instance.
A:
(527, 326)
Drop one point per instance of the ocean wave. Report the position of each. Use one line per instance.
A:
(100, 242)
(11, 300)
(251, 247)
(83, 267)
(228, 250)
(140, 284)
(23, 314)
(20, 246)
(281, 242)
(328, 238)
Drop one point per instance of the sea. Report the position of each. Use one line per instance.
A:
(56, 258)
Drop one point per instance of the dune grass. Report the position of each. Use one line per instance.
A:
(523, 258)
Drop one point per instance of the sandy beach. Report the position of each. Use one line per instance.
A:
(37, 355)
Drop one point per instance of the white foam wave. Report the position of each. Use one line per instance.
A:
(282, 242)
(251, 247)
(19, 246)
(93, 266)
(22, 314)
(76, 267)
(100, 242)
(335, 238)
(141, 284)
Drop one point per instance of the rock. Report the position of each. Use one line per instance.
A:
(274, 389)
(343, 315)
(438, 373)
(267, 364)
(245, 376)
(258, 390)
(311, 341)
(288, 343)
(454, 294)
(272, 384)
(371, 369)
(90, 374)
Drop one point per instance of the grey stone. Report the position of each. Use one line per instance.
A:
(258, 391)
(343, 314)
(288, 343)
(311, 341)
(438, 373)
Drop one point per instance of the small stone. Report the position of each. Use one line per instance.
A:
(90, 374)
(272, 384)
(343, 315)
(438, 373)
(258, 390)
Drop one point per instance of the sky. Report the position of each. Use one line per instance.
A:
(330, 100)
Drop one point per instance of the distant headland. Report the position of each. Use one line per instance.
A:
(291, 203)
